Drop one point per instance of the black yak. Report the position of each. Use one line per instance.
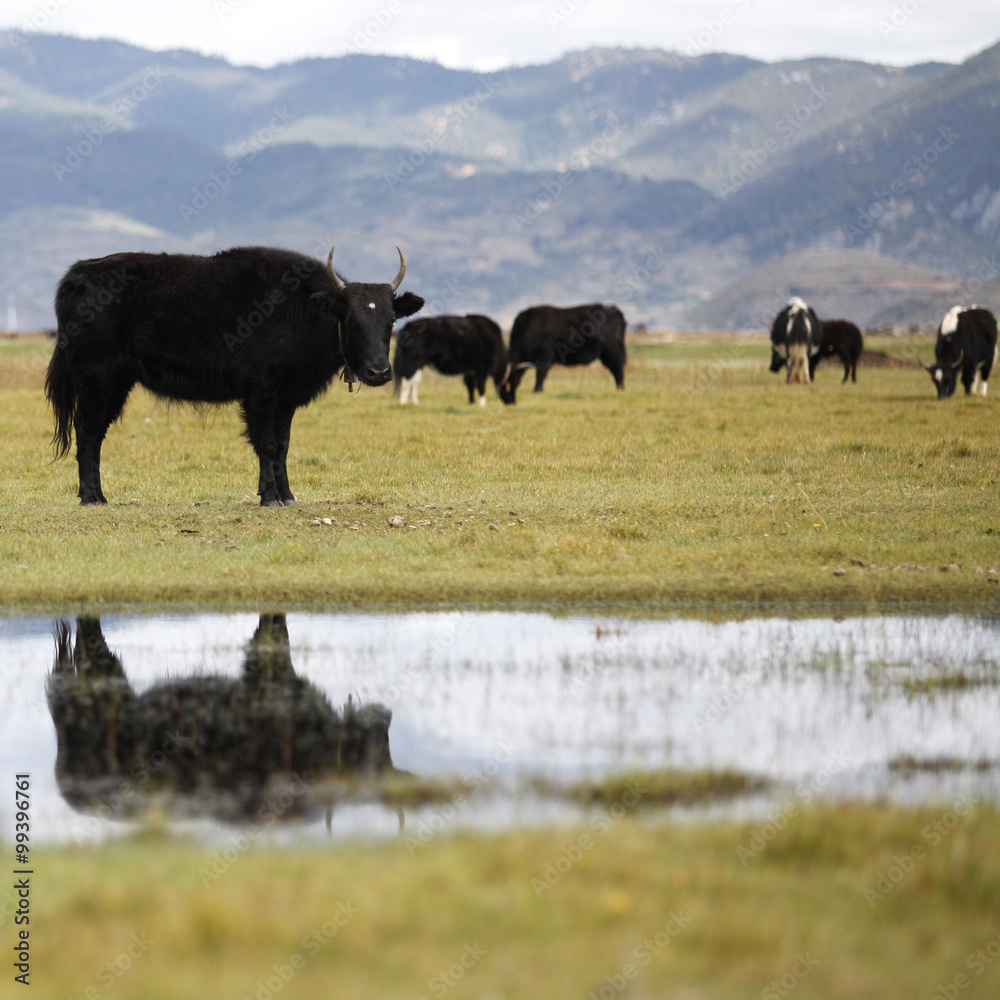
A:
(545, 335)
(231, 748)
(266, 328)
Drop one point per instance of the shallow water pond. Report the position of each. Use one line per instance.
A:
(211, 720)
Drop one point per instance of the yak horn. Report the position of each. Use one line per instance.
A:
(521, 365)
(958, 363)
(926, 368)
(506, 375)
(334, 277)
(398, 280)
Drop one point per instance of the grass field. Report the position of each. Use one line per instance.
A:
(707, 482)
(707, 486)
(849, 903)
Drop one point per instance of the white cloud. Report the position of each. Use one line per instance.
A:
(493, 33)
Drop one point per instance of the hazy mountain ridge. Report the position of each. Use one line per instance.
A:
(556, 182)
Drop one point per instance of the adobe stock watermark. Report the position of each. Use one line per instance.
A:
(629, 285)
(712, 29)
(596, 319)
(554, 16)
(262, 308)
(454, 115)
(121, 107)
(805, 792)
(442, 814)
(282, 974)
(16, 43)
(470, 957)
(571, 853)
(45, 11)
(898, 16)
(87, 310)
(113, 802)
(603, 657)
(220, 180)
(724, 702)
(110, 972)
(643, 953)
(239, 843)
(800, 968)
(223, 8)
(903, 865)
(443, 641)
(377, 23)
(912, 172)
(789, 124)
(553, 187)
(977, 962)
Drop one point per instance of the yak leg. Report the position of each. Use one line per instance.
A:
(283, 430)
(615, 366)
(541, 370)
(92, 653)
(411, 385)
(268, 656)
(798, 363)
(97, 409)
(262, 434)
(475, 381)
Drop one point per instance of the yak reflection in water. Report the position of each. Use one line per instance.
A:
(266, 745)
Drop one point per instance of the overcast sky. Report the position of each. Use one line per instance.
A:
(487, 34)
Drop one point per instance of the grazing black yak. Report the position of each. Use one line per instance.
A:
(545, 335)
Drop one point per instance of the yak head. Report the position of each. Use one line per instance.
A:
(945, 375)
(365, 314)
(507, 387)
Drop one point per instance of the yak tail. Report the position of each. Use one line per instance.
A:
(61, 395)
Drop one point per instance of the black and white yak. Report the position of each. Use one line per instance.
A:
(796, 338)
(966, 343)
(471, 346)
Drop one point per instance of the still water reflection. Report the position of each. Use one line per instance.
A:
(209, 718)
(235, 748)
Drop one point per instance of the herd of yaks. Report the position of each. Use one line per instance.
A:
(966, 344)
(269, 329)
(472, 346)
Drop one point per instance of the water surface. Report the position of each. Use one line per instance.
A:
(897, 707)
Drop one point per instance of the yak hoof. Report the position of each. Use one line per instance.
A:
(271, 502)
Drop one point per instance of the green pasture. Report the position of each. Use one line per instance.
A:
(708, 485)
(708, 481)
(858, 903)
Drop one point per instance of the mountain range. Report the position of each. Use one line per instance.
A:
(693, 192)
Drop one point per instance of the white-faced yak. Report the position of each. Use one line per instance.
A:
(966, 343)
(796, 337)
